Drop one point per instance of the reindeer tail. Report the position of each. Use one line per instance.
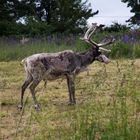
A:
(23, 61)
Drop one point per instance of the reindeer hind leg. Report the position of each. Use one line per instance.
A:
(23, 88)
(32, 90)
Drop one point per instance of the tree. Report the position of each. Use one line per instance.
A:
(135, 9)
(5, 13)
(116, 27)
(12, 10)
(69, 16)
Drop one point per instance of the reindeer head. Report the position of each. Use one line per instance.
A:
(97, 48)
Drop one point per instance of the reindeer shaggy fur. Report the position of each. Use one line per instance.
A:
(50, 66)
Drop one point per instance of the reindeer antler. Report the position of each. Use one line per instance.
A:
(89, 33)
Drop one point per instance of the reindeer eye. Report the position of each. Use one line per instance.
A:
(99, 53)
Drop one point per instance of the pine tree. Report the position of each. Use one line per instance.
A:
(135, 8)
(65, 15)
(12, 10)
(59, 15)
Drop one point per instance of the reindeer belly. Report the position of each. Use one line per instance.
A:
(54, 75)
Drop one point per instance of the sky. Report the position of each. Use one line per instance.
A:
(109, 11)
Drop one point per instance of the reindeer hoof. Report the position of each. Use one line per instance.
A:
(20, 107)
(71, 103)
(37, 107)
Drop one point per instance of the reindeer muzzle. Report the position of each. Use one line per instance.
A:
(103, 58)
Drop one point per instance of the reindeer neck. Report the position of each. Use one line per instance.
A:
(88, 57)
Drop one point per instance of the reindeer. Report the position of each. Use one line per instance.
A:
(50, 66)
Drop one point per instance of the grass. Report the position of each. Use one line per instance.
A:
(11, 50)
(108, 105)
(15, 51)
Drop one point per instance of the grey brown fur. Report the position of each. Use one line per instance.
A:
(50, 66)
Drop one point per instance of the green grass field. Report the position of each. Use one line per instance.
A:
(108, 105)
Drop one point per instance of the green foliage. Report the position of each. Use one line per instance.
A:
(116, 27)
(12, 10)
(64, 11)
(32, 29)
(135, 8)
(36, 29)
(70, 16)
(52, 16)
(123, 50)
(7, 28)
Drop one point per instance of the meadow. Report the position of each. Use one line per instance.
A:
(108, 98)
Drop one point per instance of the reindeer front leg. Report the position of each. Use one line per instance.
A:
(71, 89)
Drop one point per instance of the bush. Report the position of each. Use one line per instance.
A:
(31, 29)
(116, 27)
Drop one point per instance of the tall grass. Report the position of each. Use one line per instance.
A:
(108, 105)
(17, 52)
(126, 45)
(125, 50)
